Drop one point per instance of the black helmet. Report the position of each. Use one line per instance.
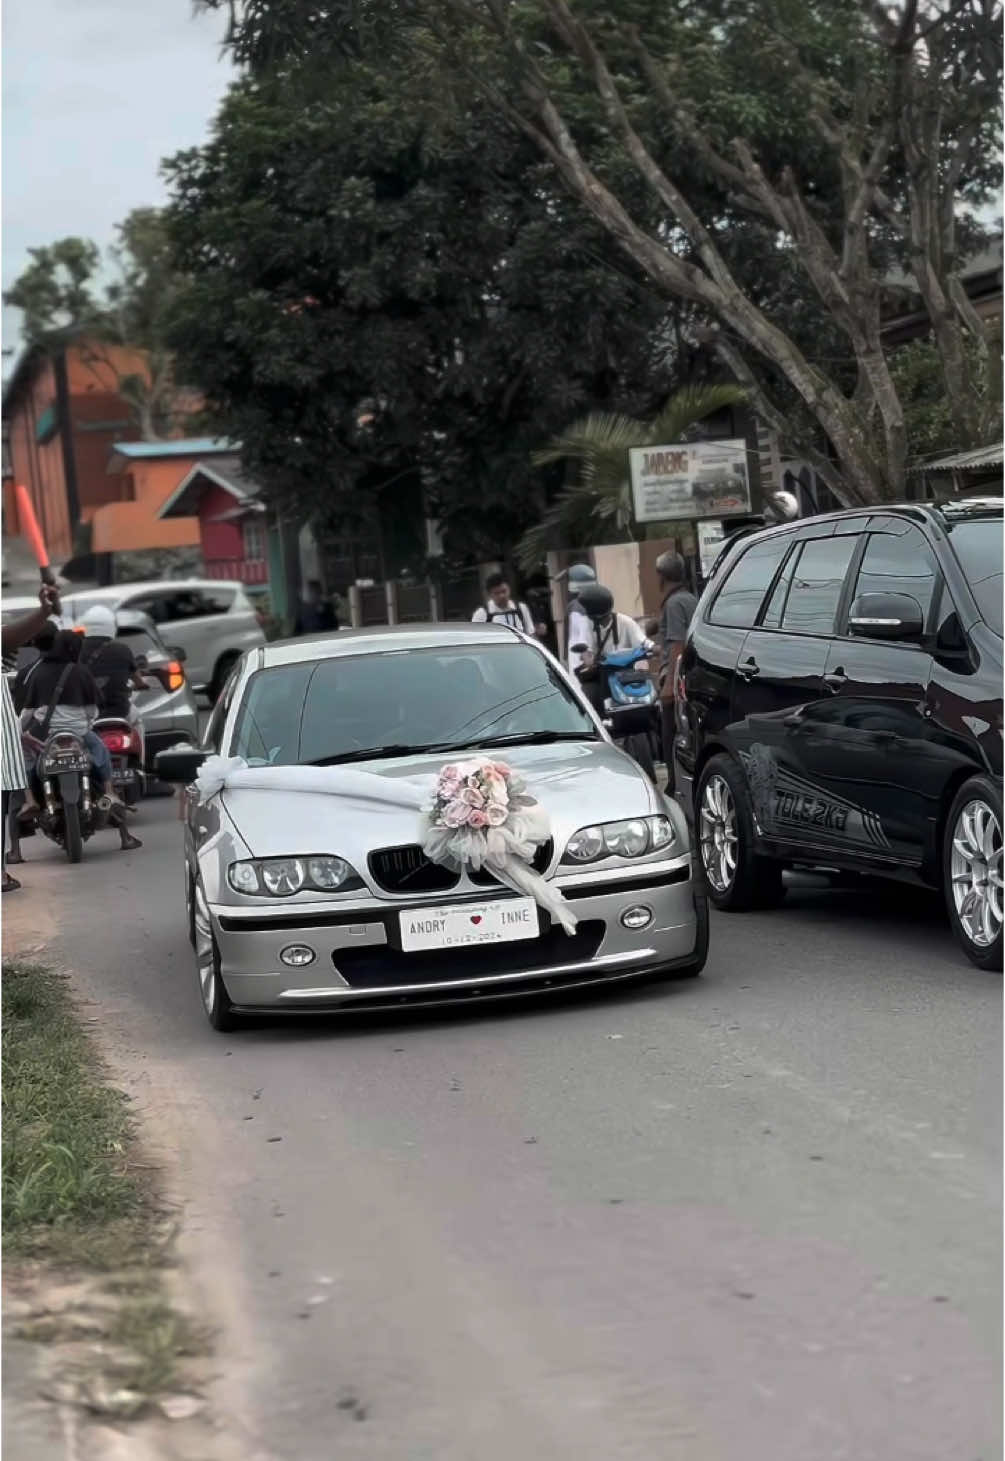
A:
(595, 601)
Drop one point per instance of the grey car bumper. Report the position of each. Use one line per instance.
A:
(357, 963)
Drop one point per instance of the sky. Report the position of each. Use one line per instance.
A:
(95, 93)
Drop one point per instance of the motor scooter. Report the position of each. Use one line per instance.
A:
(625, 694)
(125, 743)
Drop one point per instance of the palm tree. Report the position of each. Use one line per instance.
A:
(598, 508)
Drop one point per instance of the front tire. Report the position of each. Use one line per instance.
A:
(736, 878)
(72, 838)
(215, 999)
(972, 871)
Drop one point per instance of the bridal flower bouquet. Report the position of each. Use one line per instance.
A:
(482, 816)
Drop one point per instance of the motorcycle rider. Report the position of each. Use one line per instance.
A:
(577, 625)
(602, 630)
(111, 662)
(60, 681)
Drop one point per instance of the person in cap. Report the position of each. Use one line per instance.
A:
(577, 624)
(679, 604)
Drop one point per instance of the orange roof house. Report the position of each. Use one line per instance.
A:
(155, 469)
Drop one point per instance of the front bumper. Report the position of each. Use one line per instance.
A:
(358, 965)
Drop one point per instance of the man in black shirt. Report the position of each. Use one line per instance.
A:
(111, 662)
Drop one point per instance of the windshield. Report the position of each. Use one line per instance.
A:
(343, 708)
(978, 546)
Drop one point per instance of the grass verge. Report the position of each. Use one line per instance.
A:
(66, 1133)
(74, 1194)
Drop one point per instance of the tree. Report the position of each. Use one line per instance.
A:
(825, 140)
(119, 325)
(598, 507)
(377, 307)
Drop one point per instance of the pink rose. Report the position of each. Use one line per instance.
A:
(455, 814)
(450, 779)
(501, 769)
(477, 818)
(496, 814)
(472, 796)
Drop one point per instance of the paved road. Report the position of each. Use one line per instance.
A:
(751, 1216)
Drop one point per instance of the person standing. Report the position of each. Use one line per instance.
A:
(679, 604)
(316, 614)
(12, 767)
(500, 608)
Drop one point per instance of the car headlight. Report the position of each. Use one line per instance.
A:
(633, 838)
(282, 877)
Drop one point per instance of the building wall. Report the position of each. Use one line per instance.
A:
(219, 540)
(129, 527)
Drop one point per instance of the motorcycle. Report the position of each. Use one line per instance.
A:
(124, 741)
(626, 696)
(69, 813)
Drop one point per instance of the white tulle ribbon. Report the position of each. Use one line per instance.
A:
(505, 851)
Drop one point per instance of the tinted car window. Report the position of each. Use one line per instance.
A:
(739, 599)
(775, 607)
(978, 546)
(311, 711)
(815, 593)
(901, 565)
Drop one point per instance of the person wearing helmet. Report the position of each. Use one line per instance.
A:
(606, 631)
(679, 604)
(577, 625)
(110, 661)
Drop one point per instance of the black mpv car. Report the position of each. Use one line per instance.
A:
(839, 705)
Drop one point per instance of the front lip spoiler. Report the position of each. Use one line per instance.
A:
(460, 992)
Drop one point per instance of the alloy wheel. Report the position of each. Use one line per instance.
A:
(976, 872)
(205, 954)
(717, 834)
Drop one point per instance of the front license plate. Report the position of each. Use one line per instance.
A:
(454, 927)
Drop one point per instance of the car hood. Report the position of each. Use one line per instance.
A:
(577, 782)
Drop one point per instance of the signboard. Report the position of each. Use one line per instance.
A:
(697, 479)
(710, 540)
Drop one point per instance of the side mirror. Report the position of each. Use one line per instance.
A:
(176, 652)
(886, 616)
(579, 649)
(628, 720)
(179, 765)
(142, 663)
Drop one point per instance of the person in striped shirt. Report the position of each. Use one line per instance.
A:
(14, 776)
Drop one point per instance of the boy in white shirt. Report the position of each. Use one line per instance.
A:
(501, 609)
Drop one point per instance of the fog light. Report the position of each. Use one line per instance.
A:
(637, 918)
(297, 956)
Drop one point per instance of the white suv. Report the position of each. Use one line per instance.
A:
(211, 619)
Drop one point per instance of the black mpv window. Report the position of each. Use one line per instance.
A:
(812, 605)
(738, 601)
(899, 565)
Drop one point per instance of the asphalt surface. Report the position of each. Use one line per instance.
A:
(754, 1215)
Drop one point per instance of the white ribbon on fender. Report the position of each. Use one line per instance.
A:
(505, 852)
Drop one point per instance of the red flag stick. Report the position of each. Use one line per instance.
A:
(32, 531)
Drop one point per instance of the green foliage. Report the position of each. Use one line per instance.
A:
(384, 303)
(62, 297)
(598, 507)
(932, 424)
(65, 1131)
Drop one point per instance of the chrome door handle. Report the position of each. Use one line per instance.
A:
(749, 671)
(836, 680)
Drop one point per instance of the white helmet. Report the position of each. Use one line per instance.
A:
(99, 622)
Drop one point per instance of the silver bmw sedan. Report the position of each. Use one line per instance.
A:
(299, 902)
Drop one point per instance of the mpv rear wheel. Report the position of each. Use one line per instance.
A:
(972, 871)
(735, 877)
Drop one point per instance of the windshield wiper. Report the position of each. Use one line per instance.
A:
(522, 738)
(374, 753)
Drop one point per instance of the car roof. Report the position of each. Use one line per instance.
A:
(945, 513)
(154, 585)
(382, 639)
